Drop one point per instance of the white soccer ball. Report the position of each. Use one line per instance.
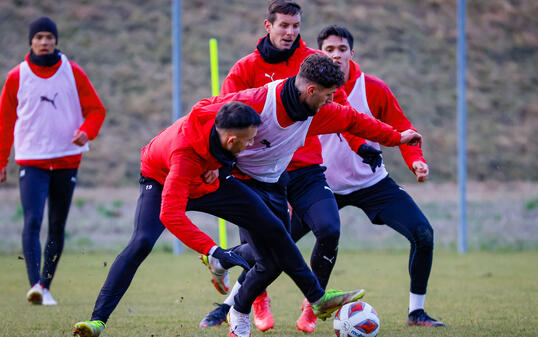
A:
(356, 319)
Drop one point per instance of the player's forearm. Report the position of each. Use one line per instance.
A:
(8, 117)
(366, 127)
(182, 228)
(93, 122)
(411, 154)
(173, 205)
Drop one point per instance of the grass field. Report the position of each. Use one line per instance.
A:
(478, 294)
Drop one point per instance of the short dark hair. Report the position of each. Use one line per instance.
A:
(320, 69)
(236, 115)
(336, 31)
(283, 7)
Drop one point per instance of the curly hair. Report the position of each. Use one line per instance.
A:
(320, 69)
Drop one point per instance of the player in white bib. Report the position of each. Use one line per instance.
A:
(49, 111)
(368, 186)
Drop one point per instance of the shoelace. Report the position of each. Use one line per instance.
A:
(217, 313)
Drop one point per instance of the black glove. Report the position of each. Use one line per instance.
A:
(228, 259)
(370, 156)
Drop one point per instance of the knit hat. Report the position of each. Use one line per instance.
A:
(43, 24)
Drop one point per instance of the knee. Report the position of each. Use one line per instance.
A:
(424, 237)
(142, 246)
(328, 235)
(267, 270)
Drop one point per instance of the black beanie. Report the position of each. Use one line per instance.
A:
(43, 24)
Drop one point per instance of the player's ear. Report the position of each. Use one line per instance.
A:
(231, 139)
(311, 89)
(267, 24)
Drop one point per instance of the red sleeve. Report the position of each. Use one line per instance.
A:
(92, 107)
(235, 82)
(354, 142)
(336, 118)
(184, 166)
(385, 107)
(8, 114)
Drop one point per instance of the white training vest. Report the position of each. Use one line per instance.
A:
(48, 114)
(274, 145)
(346, 173)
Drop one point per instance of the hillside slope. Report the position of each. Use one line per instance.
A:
(125, 47)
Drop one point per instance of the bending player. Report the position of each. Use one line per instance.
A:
(172, 168)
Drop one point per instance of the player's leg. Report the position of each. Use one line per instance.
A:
(239, 204)
(147, 229)
(387, 203)
(261, 307)
(218, 315)
(274, 249)
(62, 185)
(314, 208)
(34, 187)
(313, 202)
(403, 215)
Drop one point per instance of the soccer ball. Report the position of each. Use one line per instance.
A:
(356, 319)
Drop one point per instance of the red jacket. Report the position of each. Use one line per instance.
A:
(252, 72)
(383, 106)
(177, 158)
(92, 110)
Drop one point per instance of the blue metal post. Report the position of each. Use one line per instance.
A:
(176, 79)
(462, 127)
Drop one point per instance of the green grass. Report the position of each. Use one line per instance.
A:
(478, 294)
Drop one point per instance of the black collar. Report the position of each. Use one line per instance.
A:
(272, 55)
(290, 99)
(46, 60)
(225, 157)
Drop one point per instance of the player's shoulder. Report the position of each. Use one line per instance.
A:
(14, 72)
(76, 67)
(249, 60)
(375, 83)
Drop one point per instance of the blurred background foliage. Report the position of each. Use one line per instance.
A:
(125, 48)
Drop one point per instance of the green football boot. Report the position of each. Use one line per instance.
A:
(89, 328)
(333, 300)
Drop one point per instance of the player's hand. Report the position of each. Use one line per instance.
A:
(210, 176)
(421, 170)
(80, 138)
(3, 174)
(411, 137)
(228, 259)
(370, 155)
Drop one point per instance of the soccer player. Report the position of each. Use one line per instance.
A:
(173, 167)
(357, 184)
(49, 110)
(278, 55)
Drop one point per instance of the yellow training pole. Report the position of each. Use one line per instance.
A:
(214, 58)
